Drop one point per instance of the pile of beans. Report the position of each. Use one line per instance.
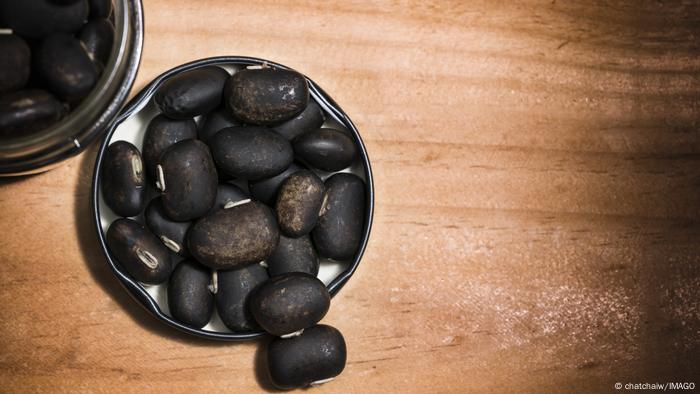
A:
(53, 52)
(242, 213)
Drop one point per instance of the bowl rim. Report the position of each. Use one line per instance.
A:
(134, 288)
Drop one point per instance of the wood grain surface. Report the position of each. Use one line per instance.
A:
(537, 168)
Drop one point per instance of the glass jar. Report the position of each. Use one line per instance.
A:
(43, 150)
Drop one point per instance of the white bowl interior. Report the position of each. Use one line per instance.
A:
(133, 130)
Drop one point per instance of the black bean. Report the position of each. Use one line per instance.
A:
(189, 180)
(137, 250)
(189, 298)
(214, 122)
(233, 293)
(293, 255)
(265, 190)
(162, 133)
(38, 18)
(288, 303)
(251, 152)
(266, 96)
(28, 111)
(310, 119)
(97, 37)
(65, 67)
(298, 203)
(123, 179)
(173, 234)
(326, 149)
(233, 237)
(100, 8)
(316, 356)
(192, 93)
(15, 63)
(339, 229)
(227, 194)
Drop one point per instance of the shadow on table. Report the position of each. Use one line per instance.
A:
(102, 274)
(11, 180)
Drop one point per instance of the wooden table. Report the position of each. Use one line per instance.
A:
(538, 204)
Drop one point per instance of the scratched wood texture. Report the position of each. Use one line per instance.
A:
(537, 227)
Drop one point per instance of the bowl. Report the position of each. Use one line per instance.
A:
(45, 149)
(130, 125)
